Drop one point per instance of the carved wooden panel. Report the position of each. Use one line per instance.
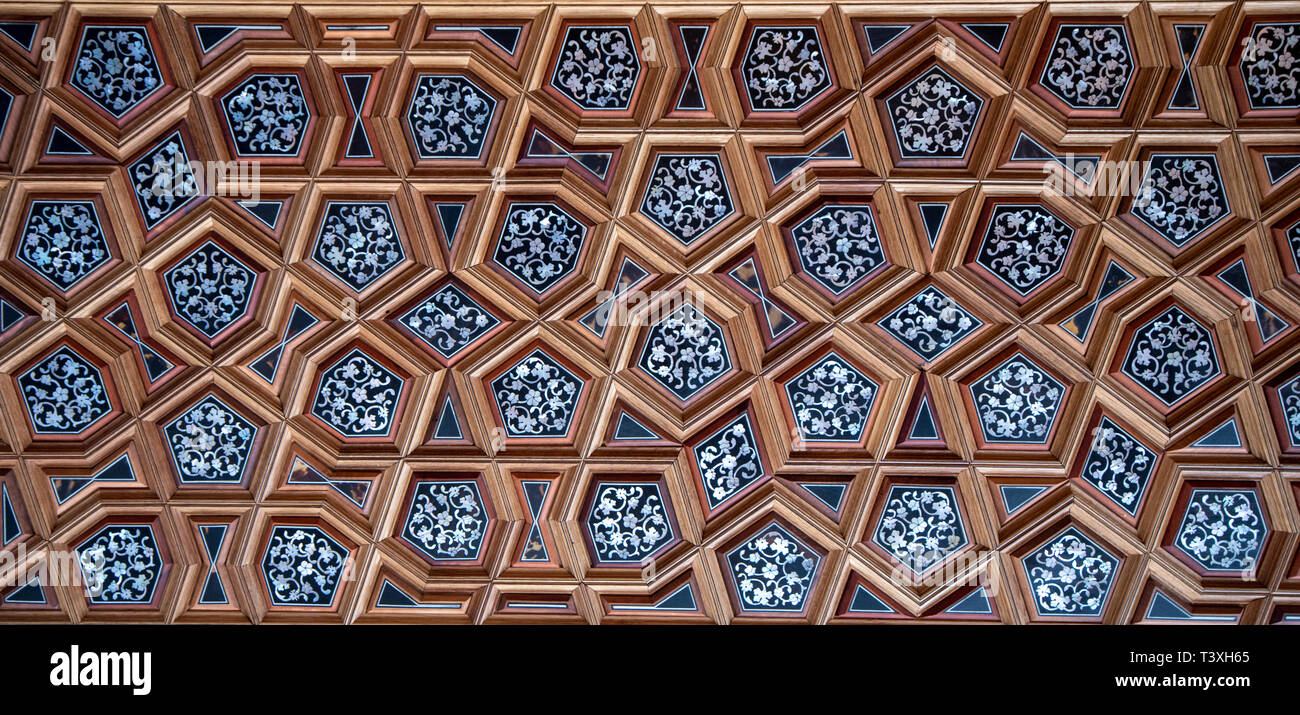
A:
(665, 312)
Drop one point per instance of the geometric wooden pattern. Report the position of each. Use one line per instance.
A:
(356, 312)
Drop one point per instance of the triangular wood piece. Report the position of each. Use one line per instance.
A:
(543, 147)
(269, 212)
(629, 428)
(828, 494)
(678, 598)
(991, 36)
(449, 429)
(861, 600)
(970, 603)
(922, 429)
(1015, 496)
(63, 145)
(1220, 433)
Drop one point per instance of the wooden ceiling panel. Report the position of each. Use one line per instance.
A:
(650, 312)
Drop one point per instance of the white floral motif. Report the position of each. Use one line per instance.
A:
(267, 115)
(539, 244)
(120, 564)
(1017, 402)
(628, 522)
(1222, 529)
(449, 116)
(1024, 246)
(358, 396)
(537, 397)
(449, 320)
(1118, 465)
(210, 442)
(210, 289)
(685, 352)
(116, 68)
(1271, 66)
(1181, 196)
(597, 67)
(64, 393)
(920, 526)
(1171, 356)
(784, 68)
(831, 400)
(62, 241)
(687, 195)
(1089, 66)
(1289, 396)
(728, 461)
(930, 322)
(838, 246)
(1070, 575)
(934, 116)
(357, 242)
(447, 520)
(773, 571)
(163, 181)
(303, 566)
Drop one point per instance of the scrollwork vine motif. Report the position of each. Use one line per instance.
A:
(1089, 66)
(1017, 402)
(1025, 246)
(64, 393)
(773, 571)
(1070, 576)
(447, 520)
(163, 181)
(628, 522)
(358, 396)
(1171, 356)
(537, 397)
(1270, 66)
(358, 243)
(934, 116)
(539, 244)
(685, 352)
(449, 320)
(449, 117)
(120, 564)
(920, 526)
(268, 115)
(930, 323)
(63, 242)
(1118, 465)
(210, 289)
(1181, 196)
(831, 400)
(116, 68)
(838, 246)
(303, 566)
(728, 461)
(1289, 396)
(687, 195)
(210, 443)
(784, 68)
(598, 67)
(1222, 530)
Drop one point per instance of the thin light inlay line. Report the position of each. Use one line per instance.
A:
(145, 350)
(758, 291)
(575, 157)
